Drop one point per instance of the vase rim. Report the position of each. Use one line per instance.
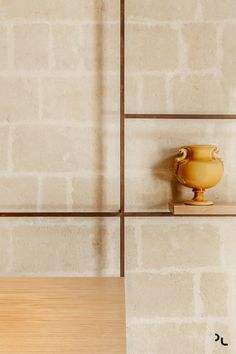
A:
(199, 145)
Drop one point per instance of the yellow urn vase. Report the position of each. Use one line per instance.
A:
(198, 167)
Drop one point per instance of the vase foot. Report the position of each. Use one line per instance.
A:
(199, 203)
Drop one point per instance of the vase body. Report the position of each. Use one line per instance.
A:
(198, 167)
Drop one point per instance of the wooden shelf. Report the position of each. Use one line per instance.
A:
(62, 315)
(216, 209)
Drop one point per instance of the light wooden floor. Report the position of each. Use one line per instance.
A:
(62, 316)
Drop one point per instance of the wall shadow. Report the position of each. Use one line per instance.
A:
(163, 170)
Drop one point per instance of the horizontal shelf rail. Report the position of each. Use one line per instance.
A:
(146, 213)
(181, 116)
(68, 214)
(62, 214)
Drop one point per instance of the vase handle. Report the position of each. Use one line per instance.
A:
(184, 153)
(215, 151)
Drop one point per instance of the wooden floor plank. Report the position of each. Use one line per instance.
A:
(62, 316)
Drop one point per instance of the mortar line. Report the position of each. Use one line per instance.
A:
(10, 47)
(39, 196)
(69, 191)
(50, 49)
(199, 12)
(209, 336)
(219, 50)
(197, 294)
(10, 151)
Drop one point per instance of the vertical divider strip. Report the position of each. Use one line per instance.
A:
(122, 138)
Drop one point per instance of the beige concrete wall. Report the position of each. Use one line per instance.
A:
(59, 131)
